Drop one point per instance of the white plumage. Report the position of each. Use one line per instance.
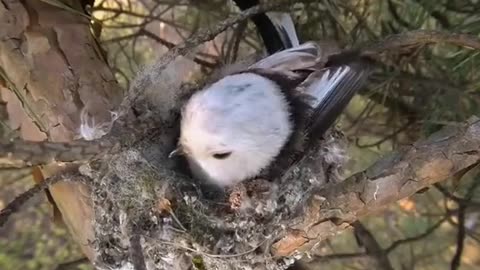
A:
(236, 127)
(244, 116)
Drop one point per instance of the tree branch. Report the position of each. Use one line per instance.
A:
(372, 247)
(70, 265)
(20, 200)
(36, 153)
(396, 176)
(462, 231)
(397, 42)
(456, 261)
(426, 233)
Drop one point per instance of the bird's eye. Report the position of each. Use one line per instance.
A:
(222, 155)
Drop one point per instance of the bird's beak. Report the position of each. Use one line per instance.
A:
(177, 152)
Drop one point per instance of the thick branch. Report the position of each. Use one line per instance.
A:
(36, 153)
(54, 68)
(390, 179)
(17, 153)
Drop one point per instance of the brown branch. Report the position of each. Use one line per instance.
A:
(11, 208)
(70, 265)
(399, 175)
(462, 232)
(456, 261)
(37, 153)
(20, 153)
(337, 256)
(372, 247)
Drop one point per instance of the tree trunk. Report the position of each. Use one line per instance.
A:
(53, 68)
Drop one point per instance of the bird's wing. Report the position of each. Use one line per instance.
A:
(297, 58)
(329, 90)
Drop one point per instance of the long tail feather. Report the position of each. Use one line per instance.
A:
(286, 29)
(265, 27)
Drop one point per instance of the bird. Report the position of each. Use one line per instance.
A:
(238, 126)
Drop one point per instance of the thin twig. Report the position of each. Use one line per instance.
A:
(454, 198)
(460, 238)
(36, 153)
(202, 36)
(372, 247)
(170, 45)
(427, 232)
(69, 173)
(337, 256)
(71, 264)
(461, 233)
(421, 37)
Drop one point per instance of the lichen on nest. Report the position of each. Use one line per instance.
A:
(139, 191)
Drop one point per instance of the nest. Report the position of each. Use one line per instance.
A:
(149, 212)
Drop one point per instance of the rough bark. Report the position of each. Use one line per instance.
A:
(51, 64)
(396, 176)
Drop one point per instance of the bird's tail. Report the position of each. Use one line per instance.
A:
(275, 28)
(285, 28)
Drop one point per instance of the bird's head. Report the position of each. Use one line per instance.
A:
(234, 128)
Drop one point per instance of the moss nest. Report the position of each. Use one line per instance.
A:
(183, 224)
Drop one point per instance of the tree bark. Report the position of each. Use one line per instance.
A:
(51, 63)
(398, 175)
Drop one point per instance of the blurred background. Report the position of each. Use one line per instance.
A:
(412, 94)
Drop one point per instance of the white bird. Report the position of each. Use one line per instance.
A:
(235, 128)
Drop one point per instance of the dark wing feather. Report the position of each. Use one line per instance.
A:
(330, 90)
(285, 27)
(265, 27)
(325, 93)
